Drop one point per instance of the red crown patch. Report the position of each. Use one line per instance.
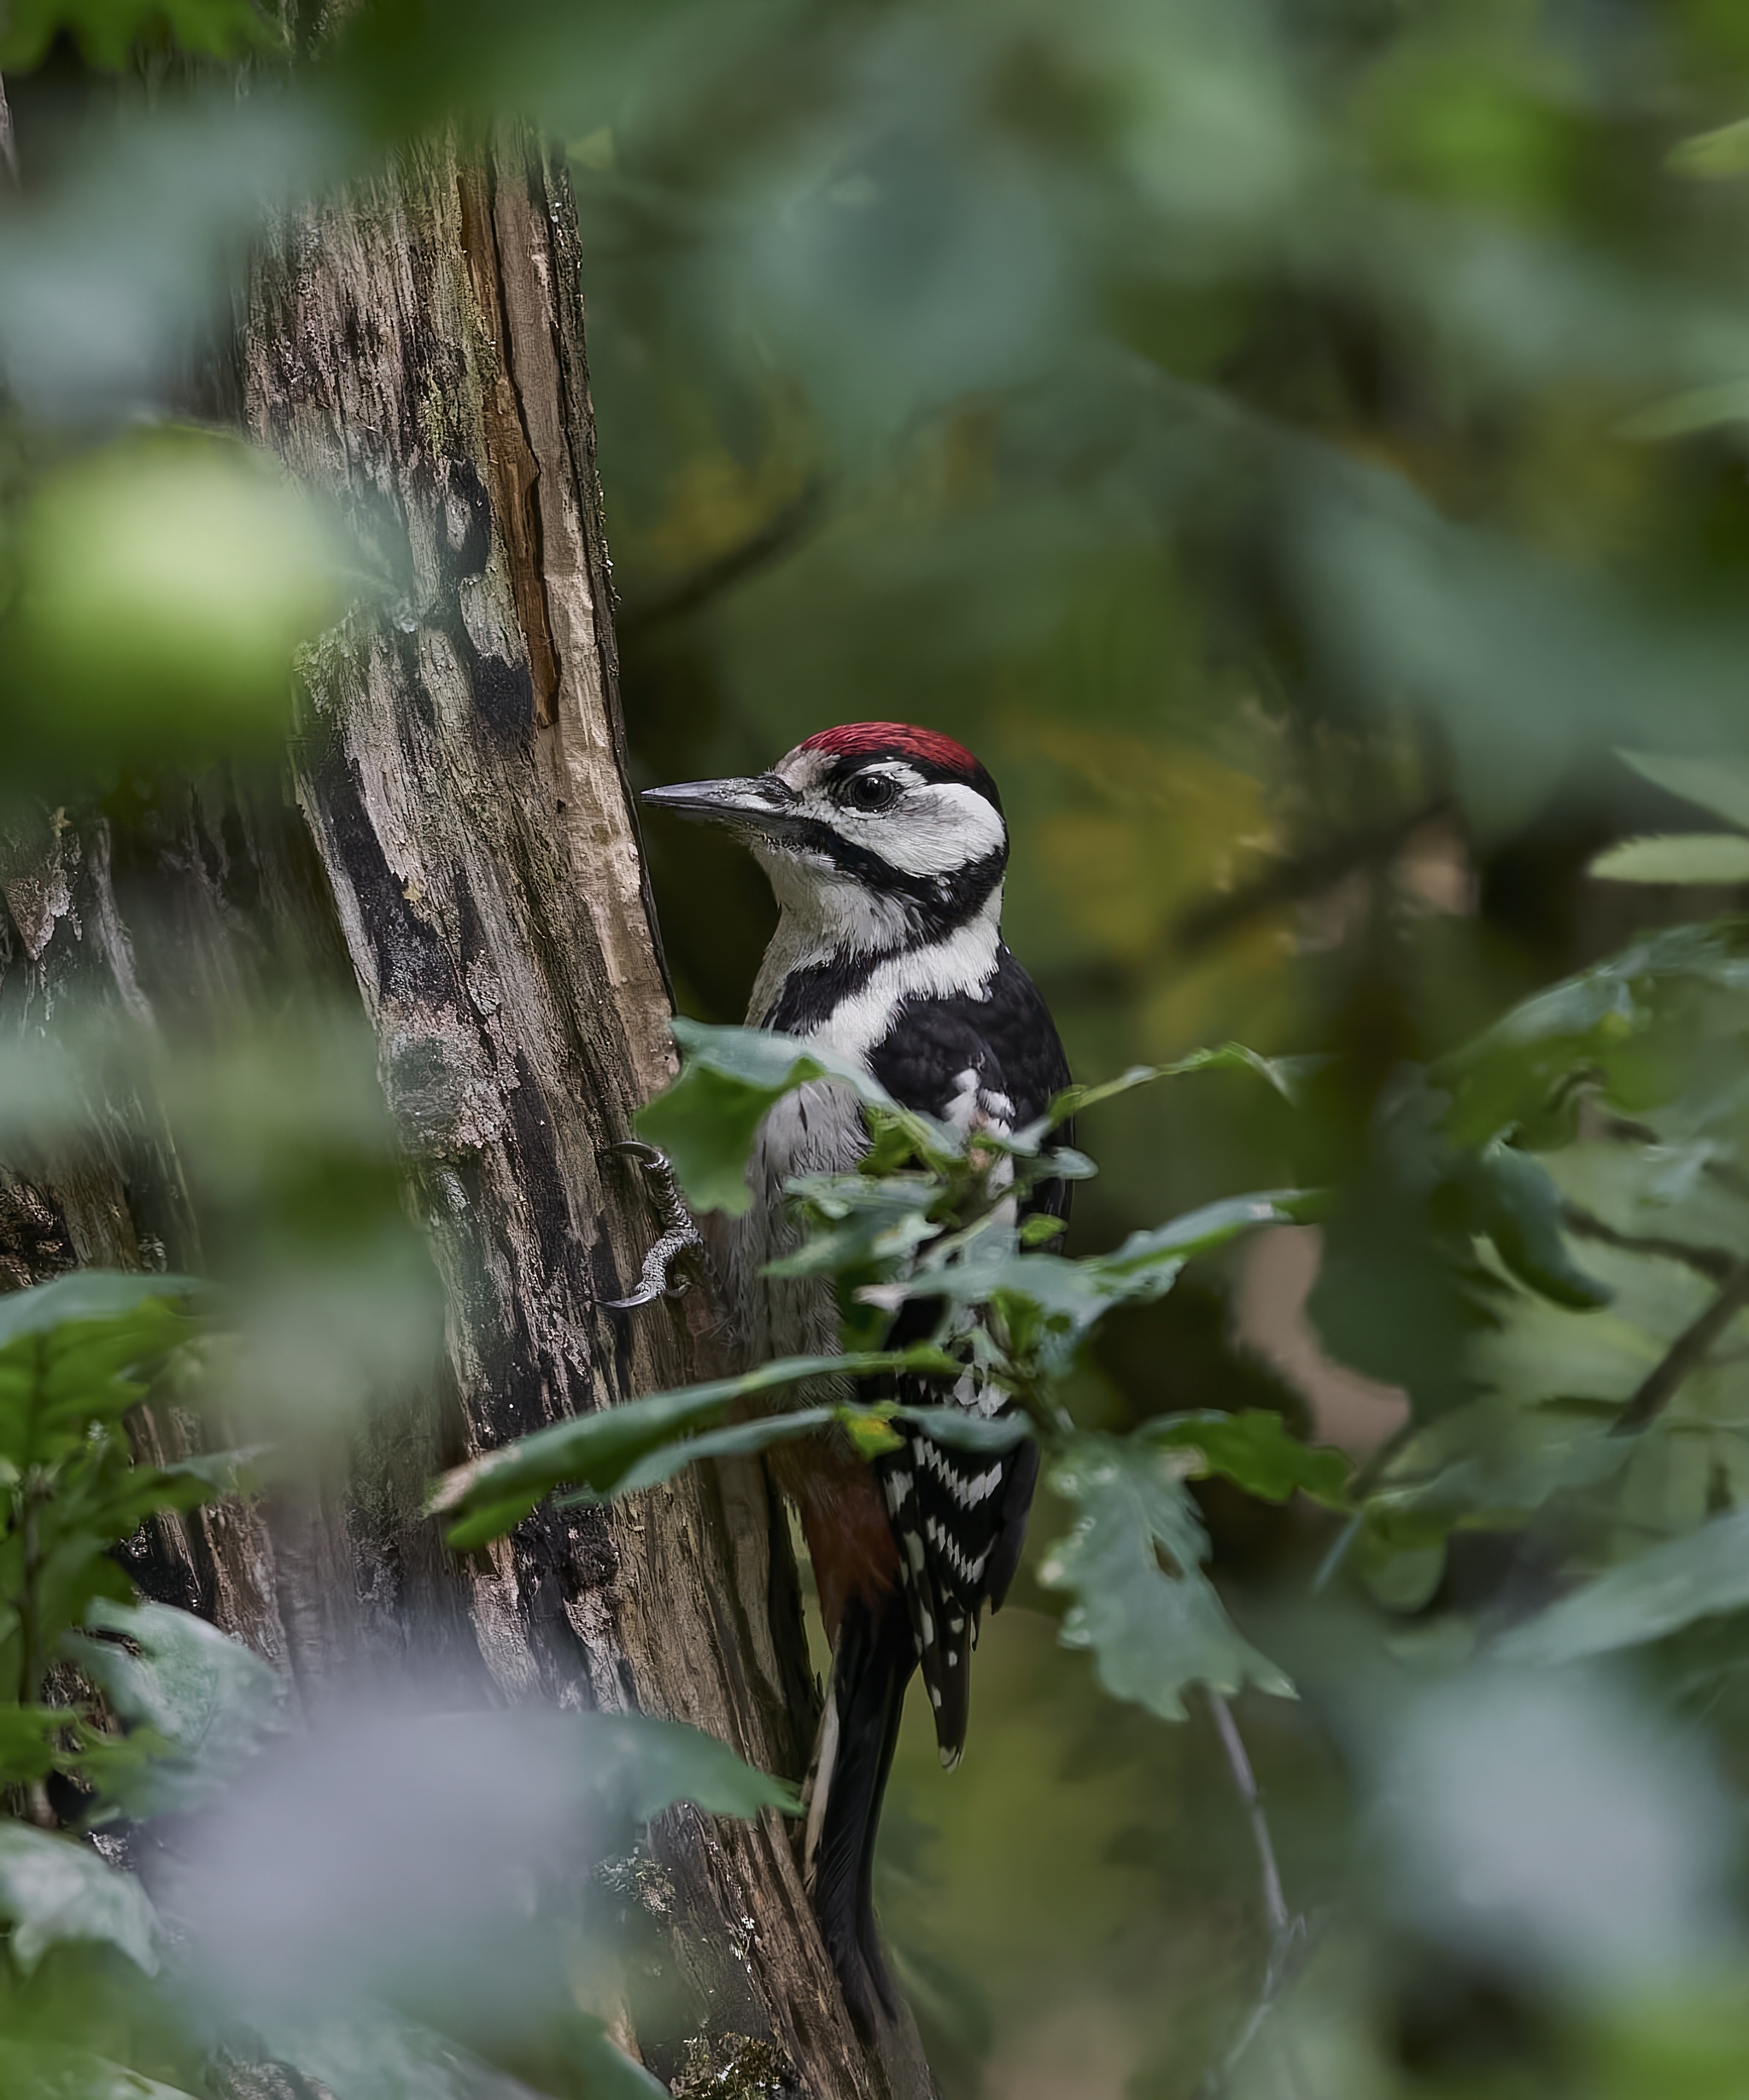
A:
(902, 739)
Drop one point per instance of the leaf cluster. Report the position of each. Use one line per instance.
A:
(1616, 1088)
(76, 1356)
(928, 1222)
(1599, 1129)
(170, 1705)
(138, 1712)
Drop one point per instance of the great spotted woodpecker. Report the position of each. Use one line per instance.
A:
(886, 846)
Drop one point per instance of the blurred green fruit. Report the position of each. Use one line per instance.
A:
(161, 586)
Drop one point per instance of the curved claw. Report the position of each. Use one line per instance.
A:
(680, 1235)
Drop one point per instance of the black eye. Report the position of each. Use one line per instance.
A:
(869, 791)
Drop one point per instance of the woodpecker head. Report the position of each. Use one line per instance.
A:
(874, 835)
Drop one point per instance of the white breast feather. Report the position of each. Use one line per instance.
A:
(962, 965)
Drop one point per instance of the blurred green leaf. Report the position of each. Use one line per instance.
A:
(28, 1745)
(208, 1698)
(659, 1763)
(1580, 1027)
(365, 2049)
(1713, 156)
(360, 2049)
(107, 31)
(46, 2071)
(54, 1889)
(1514, 1200)
(1255, 1450)
(1690, 2038)
(859, 1222)
(85, 1295)
(730, 1079)
(706, 1123)
(962, 1429)
(1493, 1463)
(1284, 1074)
(608, 2073)
(1719, 782)
(1687, 857)
(1071, 1296)
(1133, 1560)
(598, 1451)
(1524, 662)
(1399, 1575)
(737, 1440)
(871, 1433)
(1661, 1589)
(160, 585)
(1696, 408)
(74, 1356)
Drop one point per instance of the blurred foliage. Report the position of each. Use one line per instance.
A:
(114, 1707)
(108, 32)
(1300, 445)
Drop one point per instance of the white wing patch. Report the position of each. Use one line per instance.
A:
(967, 1492)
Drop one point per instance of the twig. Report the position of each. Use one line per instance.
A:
(1315, 869)
(1724, 1171)
(1325, 1572)
(1319, 868)
(1714, 1262)
(704, 583)
(1287, 1930)
(8, 151)
(1275, 1904)
(1358, 1488)
(1685, 1354)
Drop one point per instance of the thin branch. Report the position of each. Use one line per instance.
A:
(711, 578)
(8, 150)
(1685, 1355)
(1715, 1263)
(1275, 1904)
(1725, 1173)
(1326, 1570)
(1287, 1930)
(1358, 1488)
(1309, 873)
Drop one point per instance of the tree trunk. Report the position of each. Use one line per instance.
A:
(463, 848)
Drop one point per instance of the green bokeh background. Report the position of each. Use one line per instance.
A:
(1298, 446)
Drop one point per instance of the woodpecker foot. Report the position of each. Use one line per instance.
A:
(680, 1234)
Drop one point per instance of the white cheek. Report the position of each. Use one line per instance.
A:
(932, 831)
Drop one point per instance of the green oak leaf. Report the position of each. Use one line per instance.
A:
(1155, 1629)
(1255, 1451)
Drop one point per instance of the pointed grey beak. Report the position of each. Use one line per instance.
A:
(761, 804)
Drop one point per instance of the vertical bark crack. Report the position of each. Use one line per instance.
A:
(512, 469)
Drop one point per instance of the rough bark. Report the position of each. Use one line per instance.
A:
(459, 846)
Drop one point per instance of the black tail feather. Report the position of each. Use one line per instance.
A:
(872, 1664)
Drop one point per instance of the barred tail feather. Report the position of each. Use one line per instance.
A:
(872, 1664)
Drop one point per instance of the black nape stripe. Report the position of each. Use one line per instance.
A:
(939, 905)
(942, 901)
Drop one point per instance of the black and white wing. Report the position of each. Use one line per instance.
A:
(960, 1516)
